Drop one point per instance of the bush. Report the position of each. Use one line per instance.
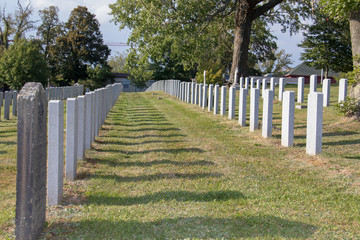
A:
(348, 108)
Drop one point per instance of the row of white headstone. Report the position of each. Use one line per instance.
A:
(84, 116)
(63, 93)
(208, 96)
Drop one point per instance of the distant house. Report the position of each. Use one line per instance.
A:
(303, 70)
(127, 85)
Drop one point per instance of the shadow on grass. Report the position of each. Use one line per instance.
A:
(153, 129)
(166, 150)
(116, 163)
(143, 124)
(249, 226)
(105, 142)
(8, 143)
(155, 177)
(180, 196)
(146, 136)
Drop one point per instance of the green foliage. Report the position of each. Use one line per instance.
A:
(327, 45)
(214, 72)
(339, 9)
(353, 76)
(278, 66)
(98, 76)
(79, 47)
(349, 107)
(117, 63)
(23, 62)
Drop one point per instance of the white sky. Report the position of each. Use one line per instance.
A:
(111, 32)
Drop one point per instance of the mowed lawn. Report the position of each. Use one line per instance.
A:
(163, 169)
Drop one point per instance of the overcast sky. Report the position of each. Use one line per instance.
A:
(111, 32)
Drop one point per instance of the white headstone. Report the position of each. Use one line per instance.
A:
(267, 113)
(342, 89)
(223, 101)
(71, 138)
(211, 97)
(314, 123)
(300, 91)
(281, 88)
(242, 106)
(254, 109)
(216, 99)
(326, 92)
(288, 113)
(232, 99)
(313, 83)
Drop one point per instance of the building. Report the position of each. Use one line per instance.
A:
(127, 85)
(303, 70)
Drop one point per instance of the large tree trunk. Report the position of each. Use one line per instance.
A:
(243, 20)
(355, 44)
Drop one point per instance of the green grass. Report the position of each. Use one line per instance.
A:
(165, 169)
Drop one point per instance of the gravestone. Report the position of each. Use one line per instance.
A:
(288, 113)
(272, 84)
(31, 162)
(88, 120)
(313, 83)
(247, 83)
(241, 82)
(281, 88)
(204, 104)
(196, 94)
(342, 89)
(326, 92)
(7, 105)
(252, 83)
(267, 113)
(300, 91)
(216, 99)
(81, 127)
(192, 93)
(254, 109)
(223, 101)
(211, 97)
(258, 83)
(242, 106)
(264, 85)
(232, 98)
(1, 98)
(314, 123)
(201, 88)
(188, 98)
(71, 138)
(14, 99)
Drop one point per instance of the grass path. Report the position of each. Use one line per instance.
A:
(162, 169)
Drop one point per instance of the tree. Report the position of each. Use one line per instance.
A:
(23, 62)
(79, 47)
(117, 63)
(51, 27)
(190, 23)
(15, 27)
(348, 10)
(98, 76)
(327, 45)
(278, 66)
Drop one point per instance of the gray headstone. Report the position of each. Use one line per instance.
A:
(223, 101)
(342, 89)
(264, 84)
(1, 98)
(272, 84)
(14, 97)
(71, 138)
(300, 91)
(313, 83)
(92, 94)
(196, 94)
(192, 93)
(81, 127)
(7, 105)
(252, 83)
(241, 82)
(56, 152)
(267, 113)
(31, 162)
(314, 123)
(201, 89)
(288, 113)
(254, 109)
(247, 83)
(96, 120)
(88, 120)
(232, 98)
(211, 97)
(258, 84)
(216, 99)
(242, 106)
(326, 92)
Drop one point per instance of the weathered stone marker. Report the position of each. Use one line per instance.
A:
(300, 90)
(196, 94)
(252, 83)
(211, 97)
(314, 123)
(313, 83)
(205, 92)
(14, 100)
(264, 85)
(192, 93)
(1, 98)
(188, 94)
(254, 109)
(31, 162)
(232, 97)
(267, 113)
(7, 105)
(216, 99)
(281, 88)
(56, 152)
(288, 113)
(326, 92)
(242, 106)
(258, 84)
(241, 82)
(201, 89)
(247, 83)
(88, 119)
(81, 127)
(342, 89)
(71, 138)
(223, 101)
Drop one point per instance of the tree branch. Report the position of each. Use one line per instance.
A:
(222, 8)
(264, 8)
